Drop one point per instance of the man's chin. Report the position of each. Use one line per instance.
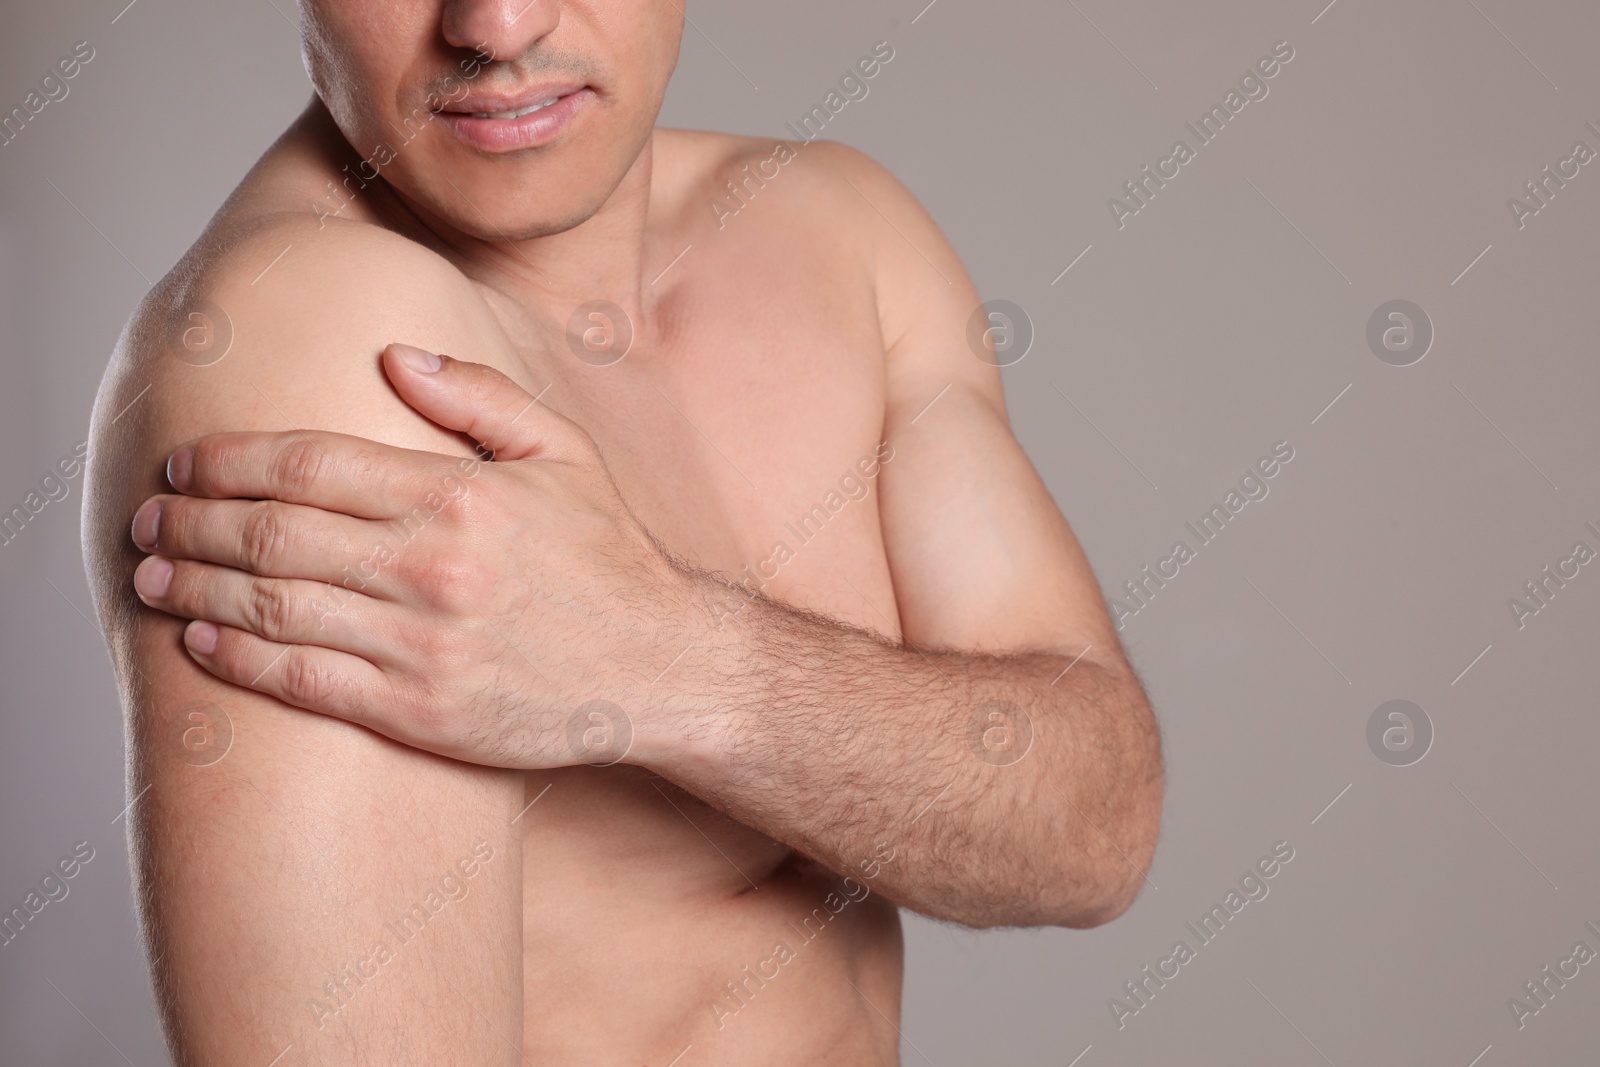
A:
(467, 215)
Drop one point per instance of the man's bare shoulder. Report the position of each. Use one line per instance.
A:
(828, 217)
(828, 189)
(284, 317)
(249, 286)
(703, 156)
(273, 323)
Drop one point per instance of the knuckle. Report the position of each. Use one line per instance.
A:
(264, 536)
(446, 582)
(459, 500)
(463, 585)
(298, 465)
(305, 681)
(269, 609)
(410, 566)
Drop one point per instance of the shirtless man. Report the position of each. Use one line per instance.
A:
(372, 824)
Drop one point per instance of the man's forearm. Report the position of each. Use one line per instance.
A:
(1011, 793)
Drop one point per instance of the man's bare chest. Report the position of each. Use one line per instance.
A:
(749, 448)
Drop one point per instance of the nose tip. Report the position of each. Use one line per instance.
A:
(499, 29)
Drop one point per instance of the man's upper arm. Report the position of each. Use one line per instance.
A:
(980, 556)
(305, 883)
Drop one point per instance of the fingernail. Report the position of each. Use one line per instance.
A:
(423, 362)
(180, 469)
(147, 524)
(153, 577)
(201, 637)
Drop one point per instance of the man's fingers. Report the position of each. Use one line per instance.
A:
(280, 610)
(478, 401)
(333, 471)
(265, 537)
(305, 676)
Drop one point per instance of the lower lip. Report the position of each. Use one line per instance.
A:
(533, 130)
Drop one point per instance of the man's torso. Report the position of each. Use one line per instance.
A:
(744, 428)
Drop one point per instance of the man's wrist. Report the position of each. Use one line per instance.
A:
(690, 712)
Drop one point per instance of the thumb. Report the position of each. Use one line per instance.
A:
(477, 400)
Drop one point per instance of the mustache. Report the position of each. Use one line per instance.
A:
(498, 74)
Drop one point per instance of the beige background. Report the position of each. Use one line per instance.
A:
(1224, 317)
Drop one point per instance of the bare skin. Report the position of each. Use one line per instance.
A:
(802, 337)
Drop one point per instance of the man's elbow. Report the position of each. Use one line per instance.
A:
(1110, 866)
(1106, 893)
(1103, 905)
(1085, 884)
(1091, 854)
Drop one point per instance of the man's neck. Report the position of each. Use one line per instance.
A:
(605, 257)
(611, 256)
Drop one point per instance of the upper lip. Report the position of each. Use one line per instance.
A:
(538, 94)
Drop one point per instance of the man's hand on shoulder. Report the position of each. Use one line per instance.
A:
(474, 609)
